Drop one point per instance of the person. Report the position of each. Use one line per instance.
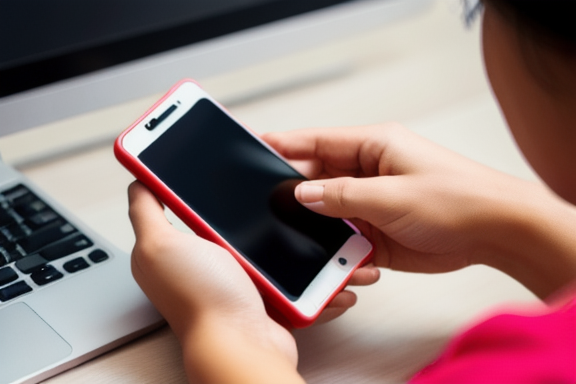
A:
(425, 209)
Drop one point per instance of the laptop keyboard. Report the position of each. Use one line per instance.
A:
(37, 245)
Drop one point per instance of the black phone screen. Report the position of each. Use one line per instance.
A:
(246, 194)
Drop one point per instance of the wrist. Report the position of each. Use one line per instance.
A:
(534, 241)
(218, 348)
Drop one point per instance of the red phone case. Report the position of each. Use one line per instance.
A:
(271, 295)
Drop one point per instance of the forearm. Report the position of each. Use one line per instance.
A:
(536, 242)
(215, 351)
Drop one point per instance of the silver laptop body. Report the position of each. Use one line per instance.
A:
(63, 318)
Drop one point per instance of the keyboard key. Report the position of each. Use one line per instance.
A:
(15, 232)
(45, 275)
(30, 263)
(14, 290)
(76, 265)
(7, 275)
(16, 193)
(8, 246)
(66, 247)
(30, 207)
(14, 255)
(4, 241)
(42, 218)
(32, 235)
(6, 218)
(48, 234)
(98, 256)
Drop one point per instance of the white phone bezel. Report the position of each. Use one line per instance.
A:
(334, 273)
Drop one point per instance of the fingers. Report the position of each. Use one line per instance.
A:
(376, 200)
(365, 275)
(347, 151)
(146, 212)
(309, 168)
(378, 150)
(340, 304)
(154, 234)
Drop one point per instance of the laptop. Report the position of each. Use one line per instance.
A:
(66, 294)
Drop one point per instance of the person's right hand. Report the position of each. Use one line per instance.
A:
(425, 208)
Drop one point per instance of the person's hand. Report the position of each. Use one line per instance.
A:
(203, 294)
(425, 208)
(175, 281)
(182, 274)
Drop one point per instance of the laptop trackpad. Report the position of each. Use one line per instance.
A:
(28, 343)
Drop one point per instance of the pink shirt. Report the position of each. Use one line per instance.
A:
(534, 347)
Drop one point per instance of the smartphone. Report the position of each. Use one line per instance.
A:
(233, 189)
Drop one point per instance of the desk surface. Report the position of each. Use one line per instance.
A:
(425, 72)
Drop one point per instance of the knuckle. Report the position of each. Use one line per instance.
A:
(343, 192)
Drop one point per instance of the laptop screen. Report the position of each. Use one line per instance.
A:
(52, 40)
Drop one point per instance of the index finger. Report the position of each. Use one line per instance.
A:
(343, 151)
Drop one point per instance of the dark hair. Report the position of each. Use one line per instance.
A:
(548, 22)
(547, 36)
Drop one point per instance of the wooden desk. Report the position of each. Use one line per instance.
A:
(425, 72)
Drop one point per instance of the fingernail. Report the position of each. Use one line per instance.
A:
(309, 193)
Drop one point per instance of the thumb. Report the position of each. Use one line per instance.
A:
(344, 197)
(145, 211)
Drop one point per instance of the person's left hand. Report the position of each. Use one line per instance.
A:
(208, 300)
(190, 279)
